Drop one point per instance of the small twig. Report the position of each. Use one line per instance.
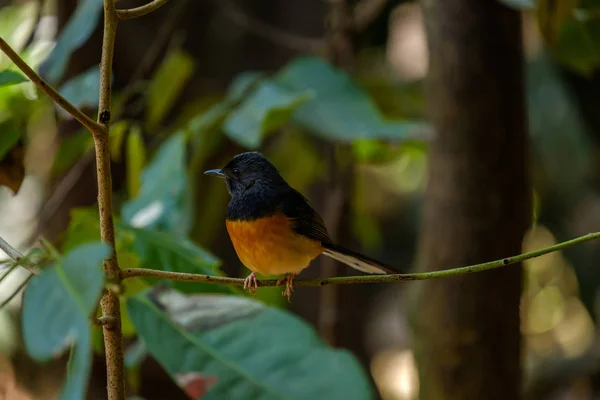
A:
(49, 90)
(18, 257)
(17, 291)
(276, 35)
(141, 10)
(446, 273)
(113, 337)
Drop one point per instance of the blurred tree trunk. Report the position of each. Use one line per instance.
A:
(477, 207)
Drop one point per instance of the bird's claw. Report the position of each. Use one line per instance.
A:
(250, 283)
(289, 285)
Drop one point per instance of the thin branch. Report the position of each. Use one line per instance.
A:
(142, 10)
(17, 291)
(18, 257)
(276, 35)
(113, 337)
(470, 269)
(366, 12)
(49, 90)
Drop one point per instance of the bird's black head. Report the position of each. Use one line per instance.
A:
(248, 173)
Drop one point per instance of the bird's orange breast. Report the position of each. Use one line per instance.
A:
(269, 246)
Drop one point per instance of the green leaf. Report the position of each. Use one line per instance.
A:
(223, 340)
(9, 77)
(9, 137)
(117, 135)
(56, 309)
(339, 109)
(71, 149)
(167, 252)
(136, 159)
(77, 31)
(167, 84)
(84, 227)
(266, 109)
(83, 89)
(163, 202)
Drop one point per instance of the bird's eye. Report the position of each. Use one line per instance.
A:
(236, 172)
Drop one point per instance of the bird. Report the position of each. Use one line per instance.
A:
(273, 228)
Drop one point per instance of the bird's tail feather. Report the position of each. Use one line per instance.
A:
(356, 260)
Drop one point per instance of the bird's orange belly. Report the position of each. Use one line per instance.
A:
(269, 246)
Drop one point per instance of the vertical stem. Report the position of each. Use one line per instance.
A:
(113, 338)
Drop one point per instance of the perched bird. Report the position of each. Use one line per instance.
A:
(273, 228)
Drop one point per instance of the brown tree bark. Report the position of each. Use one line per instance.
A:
(477, 206)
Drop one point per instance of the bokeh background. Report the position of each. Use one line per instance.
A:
(174, 65)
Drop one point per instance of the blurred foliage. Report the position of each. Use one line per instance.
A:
(288, 114)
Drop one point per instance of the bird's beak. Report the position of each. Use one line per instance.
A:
(215, 172)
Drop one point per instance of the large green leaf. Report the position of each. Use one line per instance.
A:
(167, 252)
(245, 349)
(77, 31)
(9, 77)
(266, 109)
(56, 309)
(339, 109)
(163, 201)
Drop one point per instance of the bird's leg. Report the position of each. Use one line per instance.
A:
(250, 283)
(289, 285)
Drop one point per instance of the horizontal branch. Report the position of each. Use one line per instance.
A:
(141, 10)
(86, 121)
(220, 280)
(18, 257)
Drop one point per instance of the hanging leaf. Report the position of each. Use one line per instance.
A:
(136, 159)
(9, 77)
(217, 344)
(77, 31)
(166, 85)
(163, 199)
(57, 305)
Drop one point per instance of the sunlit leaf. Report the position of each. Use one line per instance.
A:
(17, 20)
(77, 31)
(167, 84)
(219, 341)
(136, 159)
(56, 309)
(9, 77)
(163, 200)
(266, 109)
(12, 153)
(9, 137)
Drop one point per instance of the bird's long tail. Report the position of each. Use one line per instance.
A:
(356, 260)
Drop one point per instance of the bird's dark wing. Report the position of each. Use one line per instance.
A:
(306, 221)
